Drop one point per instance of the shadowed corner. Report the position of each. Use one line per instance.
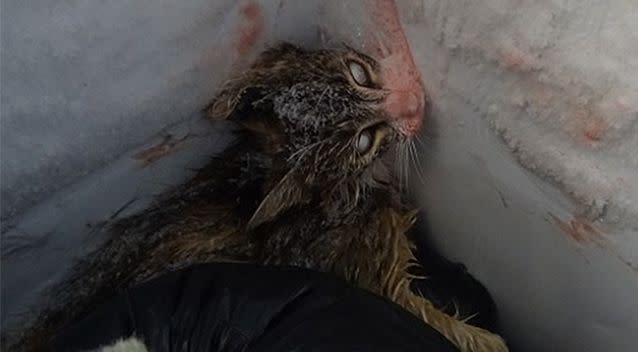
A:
(448, 284)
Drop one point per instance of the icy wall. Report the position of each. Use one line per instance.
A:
(83, 82)
(532, 173)
(531, 170)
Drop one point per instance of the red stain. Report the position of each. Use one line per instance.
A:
(581, 230)
(515, 59)
(167, 146)
(406, 101)
(251, 28)
(586, 125)
(251, 11)
(594, 129)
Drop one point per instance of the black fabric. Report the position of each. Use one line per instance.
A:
(244, 307)
(449, 285)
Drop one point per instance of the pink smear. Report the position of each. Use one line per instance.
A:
(406, 100)
(581, 230)
(251, 27)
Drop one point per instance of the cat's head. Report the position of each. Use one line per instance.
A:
(323, 113)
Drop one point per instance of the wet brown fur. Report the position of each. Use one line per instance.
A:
(252, 204)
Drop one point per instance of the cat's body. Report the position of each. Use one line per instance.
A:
(303, 185)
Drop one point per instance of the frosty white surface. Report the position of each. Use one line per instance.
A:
(532, 180)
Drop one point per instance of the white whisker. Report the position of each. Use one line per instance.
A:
(300, 154)
(417, 162)
(405, 167)
(406, 162)
(421, 142)
(398, 166)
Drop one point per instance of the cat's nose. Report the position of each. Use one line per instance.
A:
(406, 109)
(405, 99)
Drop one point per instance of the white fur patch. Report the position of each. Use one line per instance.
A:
(132, 344)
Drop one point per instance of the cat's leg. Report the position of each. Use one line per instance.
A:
(466, 337)
(390, 276)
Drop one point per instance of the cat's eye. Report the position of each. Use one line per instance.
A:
(359, 73)
(364, 141)
(370, 137)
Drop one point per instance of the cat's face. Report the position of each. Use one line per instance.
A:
(326, 109)
(329, 105)
(332, 114)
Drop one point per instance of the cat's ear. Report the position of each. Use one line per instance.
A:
(286, 194)
(234, 97)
